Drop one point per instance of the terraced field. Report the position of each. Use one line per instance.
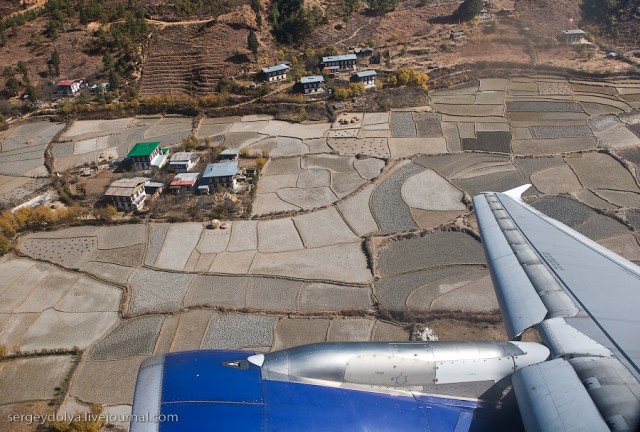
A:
(359, 229)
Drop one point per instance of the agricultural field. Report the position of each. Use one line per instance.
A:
(362, 229)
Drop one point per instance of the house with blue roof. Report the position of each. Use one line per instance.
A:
(340, 62)
(367, 77)
(220, 174)
(275, 73)
(312, 84)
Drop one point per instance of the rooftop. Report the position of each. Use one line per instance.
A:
(276, 68)
(126, 186)
(367, 73)
(181, 157)
(339, 58)
(573, 32)
(221, 169)
(185, 179)
(143, 149)
(311, 79)
(66, 82)
(230, 152)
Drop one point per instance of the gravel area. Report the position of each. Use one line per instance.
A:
(323, 228)
(387, 206)
(156, 291)
(566, 210)
(600, 226)
(497, 141)
(290, 332)
(402, 124)
(156, 239)
(560, 131)
(130, 338)
(428, 124)
(542, 106)
(433, 250)
(217, 291)
(122, 236)
(32, 379)
(229, 331)
(603, 122)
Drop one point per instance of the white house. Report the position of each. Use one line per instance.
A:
(275, 73)
(312, 84)
(221, 174)
(68, 87)
(182, 162)
(128, 194)
(368, 78)
(340, 62)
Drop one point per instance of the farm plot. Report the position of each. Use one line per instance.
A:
(14, 190)
(130, 338)
(32, 379)
(22, 148)
(311, 181)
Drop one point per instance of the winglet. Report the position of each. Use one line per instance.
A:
(516, 193)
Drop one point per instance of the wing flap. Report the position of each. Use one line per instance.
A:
(551, 398)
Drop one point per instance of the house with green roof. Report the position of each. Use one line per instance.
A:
(147, 155)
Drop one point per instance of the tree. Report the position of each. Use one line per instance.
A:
(382, 6)
(468, 10)
(252, 42)
(12, 85)
(54, 61)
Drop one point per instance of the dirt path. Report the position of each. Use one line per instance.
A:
(35, 4)
(274, 91)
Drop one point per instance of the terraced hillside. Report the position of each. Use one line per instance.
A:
(192, 59)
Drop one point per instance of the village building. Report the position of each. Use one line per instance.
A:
(340, 62)
(184, 182)
(220, 174)
(366, 51)
(229, 154)
(368, 78)
(128, 194)
(147, 155)
(572, 36)
(68, 87)
(153, 189)
(182, 162)
(312, 84)
(275, 73)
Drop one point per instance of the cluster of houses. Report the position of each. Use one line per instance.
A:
(131, 193)
(313, 84)
(71, 87)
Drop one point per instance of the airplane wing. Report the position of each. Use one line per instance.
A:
(583, 299)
